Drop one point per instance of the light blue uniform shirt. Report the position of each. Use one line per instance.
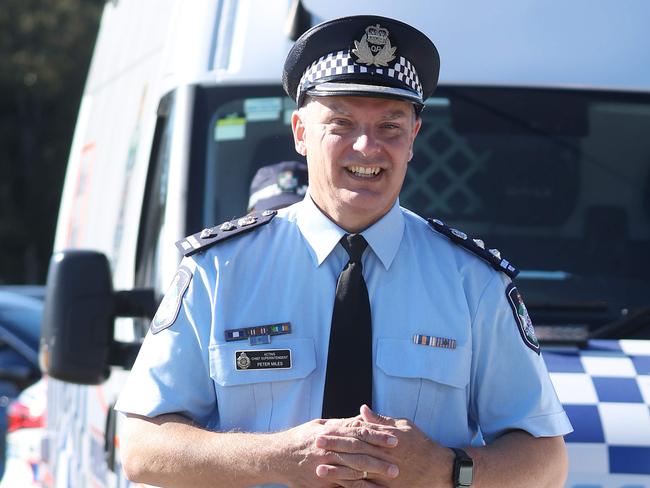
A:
(418, 282)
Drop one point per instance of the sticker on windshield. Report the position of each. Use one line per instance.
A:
(524, 324)
(259, 109)
(171, 303)
(288, 107)
(287, 117)
(230, 129)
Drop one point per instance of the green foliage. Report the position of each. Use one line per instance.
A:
(45, 49)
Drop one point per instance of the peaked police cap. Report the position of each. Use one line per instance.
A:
(363, 55)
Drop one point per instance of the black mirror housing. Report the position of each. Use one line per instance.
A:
(77, 328)
(78, 322)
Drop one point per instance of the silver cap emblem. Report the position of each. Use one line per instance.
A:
(374, 48)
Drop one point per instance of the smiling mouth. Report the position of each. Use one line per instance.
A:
(364, 171)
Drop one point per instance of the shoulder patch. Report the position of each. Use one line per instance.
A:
(171, 303)
(524, 324)
(210, 236)
(475, 246)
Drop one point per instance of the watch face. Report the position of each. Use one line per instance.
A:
(465, 473)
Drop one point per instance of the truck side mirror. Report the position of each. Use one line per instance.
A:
(80, 308)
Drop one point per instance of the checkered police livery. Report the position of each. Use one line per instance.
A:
(605, 391)
(342, 63)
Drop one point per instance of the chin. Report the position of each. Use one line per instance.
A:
(361, 198)
(367, 204)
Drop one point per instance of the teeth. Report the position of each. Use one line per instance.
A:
(364, 170)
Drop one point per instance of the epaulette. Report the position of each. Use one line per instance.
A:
(209, 236)
(475, 246)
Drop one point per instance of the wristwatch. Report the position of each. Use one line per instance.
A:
(463, 469)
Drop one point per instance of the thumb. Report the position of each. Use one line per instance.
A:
(368, 415)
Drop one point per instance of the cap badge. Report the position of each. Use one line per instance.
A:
(374, 48)
(287, 181)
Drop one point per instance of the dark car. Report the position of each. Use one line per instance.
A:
(20, 324)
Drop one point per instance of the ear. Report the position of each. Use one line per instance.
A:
(298, 129)
(416, 129)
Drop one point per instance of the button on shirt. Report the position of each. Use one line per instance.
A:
(418, 283)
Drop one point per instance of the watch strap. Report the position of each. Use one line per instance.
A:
(463, 468)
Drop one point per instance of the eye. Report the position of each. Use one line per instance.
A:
(339, 122)
(340, 125)
(390, 126)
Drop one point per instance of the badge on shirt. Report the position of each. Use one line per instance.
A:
(256, 359)
(524, 324)
(257, 335)
(433, 341)
(171, 303)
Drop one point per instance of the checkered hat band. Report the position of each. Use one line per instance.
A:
(342, 63)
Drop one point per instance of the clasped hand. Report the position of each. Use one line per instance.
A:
(368, 451)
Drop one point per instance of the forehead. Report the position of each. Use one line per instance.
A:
(377, 107)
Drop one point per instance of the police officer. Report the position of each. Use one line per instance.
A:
(345, 341)
(278, 185)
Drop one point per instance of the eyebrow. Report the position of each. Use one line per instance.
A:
(339, 110)
(396, 114)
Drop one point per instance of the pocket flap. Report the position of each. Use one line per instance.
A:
(403, 358)
(224, 372)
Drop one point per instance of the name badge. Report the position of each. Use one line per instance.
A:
(257, 359)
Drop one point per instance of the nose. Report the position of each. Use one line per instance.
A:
(366, 143)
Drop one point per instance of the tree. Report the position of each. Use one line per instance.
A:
(45, 49)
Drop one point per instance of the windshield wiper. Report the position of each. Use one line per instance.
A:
(564, 323)
(577, 334)
(632, 325)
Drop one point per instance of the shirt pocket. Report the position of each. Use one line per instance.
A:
(427, 385)
(262, 400)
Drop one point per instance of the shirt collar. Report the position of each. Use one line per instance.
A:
(385, 235)
(322, 235)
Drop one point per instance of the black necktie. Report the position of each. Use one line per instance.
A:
(348, 381)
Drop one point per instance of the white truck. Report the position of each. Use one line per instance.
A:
(537, 141)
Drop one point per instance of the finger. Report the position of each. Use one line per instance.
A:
(352, 466)
(360, 484)
(354, 445)
(369, 415)
(345, 476)
(352, 440)
(337, 473)
(346, 422)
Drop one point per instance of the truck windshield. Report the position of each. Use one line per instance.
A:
(558, 181)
